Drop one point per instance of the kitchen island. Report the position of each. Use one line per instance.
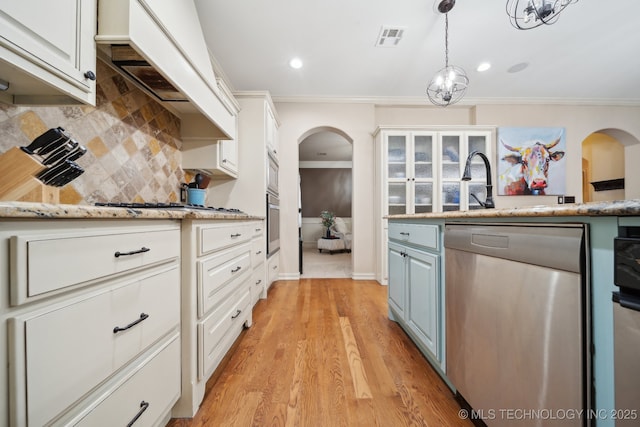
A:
(118, 314)
(417, 242)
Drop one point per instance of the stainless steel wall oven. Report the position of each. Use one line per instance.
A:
(273, 224)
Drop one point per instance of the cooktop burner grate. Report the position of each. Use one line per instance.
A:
(172, 205)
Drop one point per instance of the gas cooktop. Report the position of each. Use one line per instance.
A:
(172, 205)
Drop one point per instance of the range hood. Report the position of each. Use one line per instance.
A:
(159, 45)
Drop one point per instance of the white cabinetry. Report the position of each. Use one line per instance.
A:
(216, 300)
(415, 286)
(47, 51)
(109, 318)
(205, 149)
(419, 170)
(258, 257)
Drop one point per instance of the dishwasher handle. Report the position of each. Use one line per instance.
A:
(631, 302)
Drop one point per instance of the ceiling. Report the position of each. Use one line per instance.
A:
(591, 54)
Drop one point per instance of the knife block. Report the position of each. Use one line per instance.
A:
(18, 181)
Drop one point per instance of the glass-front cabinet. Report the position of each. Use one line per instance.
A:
(455, 147)
(423, 170)
(410, 170)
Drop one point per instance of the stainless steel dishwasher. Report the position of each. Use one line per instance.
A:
(517, 316)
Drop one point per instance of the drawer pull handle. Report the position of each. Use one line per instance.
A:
(259, 281)
(235, 270)
(233, 236)
(139, 251)
(237, 314)
(258, 229)
(142, 317)
(258, 253)
(143, 407)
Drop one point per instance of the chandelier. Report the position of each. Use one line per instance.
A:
(450, 83)
(528, 14)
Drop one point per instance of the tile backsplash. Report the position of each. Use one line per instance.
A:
(133, 143)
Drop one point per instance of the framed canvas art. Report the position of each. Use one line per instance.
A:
(531, 161)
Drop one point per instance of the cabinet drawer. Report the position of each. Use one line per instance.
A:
(219, 330)
(258, 249)
(274, 269)
(257, 283)
(418, 234)
(214, 237)
(43, 264)
(67, 350)
(156, 383)
(220, 275)
(258, 229)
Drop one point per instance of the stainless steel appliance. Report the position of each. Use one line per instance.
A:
(273, 224)
(272, 173)
(626, 318)
(517, 316)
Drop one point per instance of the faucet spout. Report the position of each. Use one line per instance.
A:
(466, 176)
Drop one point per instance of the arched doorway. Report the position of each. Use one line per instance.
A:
(606, 171)
(325, 184)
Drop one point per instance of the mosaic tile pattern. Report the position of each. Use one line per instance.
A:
(133, 143)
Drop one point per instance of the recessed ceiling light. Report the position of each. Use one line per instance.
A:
(295, 63)
(518, 67)
(483, 66)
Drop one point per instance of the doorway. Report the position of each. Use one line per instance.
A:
(603, 167)
(326, 184)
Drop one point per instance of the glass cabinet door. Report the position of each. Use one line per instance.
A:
(477, 185)
(397, 177)
(451, 150)
(423, 172)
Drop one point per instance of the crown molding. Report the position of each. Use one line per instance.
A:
(423, 102)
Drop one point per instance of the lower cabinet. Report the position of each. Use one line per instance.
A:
(217, 274)
(85, 351)
(415, 289)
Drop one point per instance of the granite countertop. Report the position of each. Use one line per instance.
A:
(59, 211)
(613, 208)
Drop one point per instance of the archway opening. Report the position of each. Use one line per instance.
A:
(606, 171)
(325, 184)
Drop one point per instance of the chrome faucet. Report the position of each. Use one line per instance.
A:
(466, 176)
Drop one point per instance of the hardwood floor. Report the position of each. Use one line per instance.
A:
(322, 352)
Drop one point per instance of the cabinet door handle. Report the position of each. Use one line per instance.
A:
(402, 233)
(258, 253)
(142, 317)
(143, 407)
(235, 270)
(90, 75)
(118, 254)
(237, 314)
(224, 160)
(233, 236)
(259, 281)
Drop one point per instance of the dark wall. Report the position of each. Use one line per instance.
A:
(326, 190)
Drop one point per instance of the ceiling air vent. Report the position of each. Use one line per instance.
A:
(389, 36)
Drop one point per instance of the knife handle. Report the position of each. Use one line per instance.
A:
(45, 139)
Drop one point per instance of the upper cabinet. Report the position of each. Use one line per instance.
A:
(204, 148)
(420, 170)
(47, 51)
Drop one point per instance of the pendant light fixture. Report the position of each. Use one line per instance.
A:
(528, 14)
(450, 83)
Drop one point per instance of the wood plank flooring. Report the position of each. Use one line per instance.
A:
(322, 352)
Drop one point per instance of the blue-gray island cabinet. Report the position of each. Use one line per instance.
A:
(424, 278)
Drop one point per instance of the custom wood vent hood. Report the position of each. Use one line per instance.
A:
(159, 45)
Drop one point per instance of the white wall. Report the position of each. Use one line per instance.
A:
(355, 120)
(359, 121)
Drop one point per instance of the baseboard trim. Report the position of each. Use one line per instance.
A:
(289, 276)
(363, 276)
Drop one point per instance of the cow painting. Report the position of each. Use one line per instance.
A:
(527, 171)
